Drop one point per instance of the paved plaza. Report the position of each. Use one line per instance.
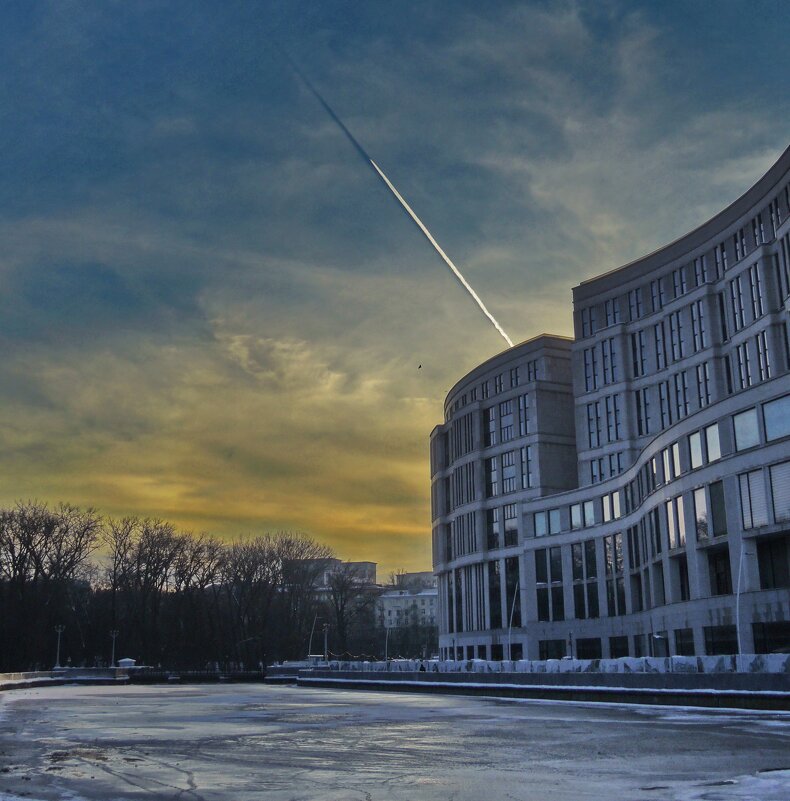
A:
(206, 743)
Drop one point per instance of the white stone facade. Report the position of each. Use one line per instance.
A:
(403, 607)
(627, 493)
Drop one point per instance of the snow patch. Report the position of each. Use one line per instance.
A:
(769, 786)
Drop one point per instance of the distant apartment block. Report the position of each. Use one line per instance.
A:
(329, 568)
(627, 492)
(423, 579)
(396, 608)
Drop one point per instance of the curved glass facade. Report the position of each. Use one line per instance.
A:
(627, 493)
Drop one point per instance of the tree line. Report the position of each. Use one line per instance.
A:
(175, 599)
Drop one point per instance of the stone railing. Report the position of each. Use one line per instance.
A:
(744, 663)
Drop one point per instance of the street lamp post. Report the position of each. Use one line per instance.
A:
(326, 646)
(60, 628)
(113, 634)
(386, 643)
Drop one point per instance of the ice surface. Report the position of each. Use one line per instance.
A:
(244, 742)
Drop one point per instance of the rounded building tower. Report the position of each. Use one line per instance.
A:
(628, 492)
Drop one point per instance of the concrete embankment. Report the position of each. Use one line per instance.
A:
(52, 678)
(724, 690)
(49, 678)
(750, 681)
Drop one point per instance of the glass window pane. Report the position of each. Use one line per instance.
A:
(576, 515)
(746, 502)
(754, 509)
(494, 588)
(543, 604)
(746, 432)
(609, 554)
(671, 525)
(557, 604)
(676, 458)
(780, 489)
(620, 584)
(695, 449)
(777, 418)
(578, 566)
(717, 509)
(541, 576)
(555, 559)
(681, 520)
(774, 566)
(541, 528)
(589, 513)
(554, 521)
(578, 601)
(589, 556)
(701, 513)
(667, 465)
(759, 502)
(592, 599)
(712, 441)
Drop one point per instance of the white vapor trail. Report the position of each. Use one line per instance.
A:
(447, 259)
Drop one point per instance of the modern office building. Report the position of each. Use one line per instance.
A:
(628, 492)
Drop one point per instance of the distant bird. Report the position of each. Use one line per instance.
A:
(419, 367)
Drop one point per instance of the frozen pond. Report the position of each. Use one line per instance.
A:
(281, 744)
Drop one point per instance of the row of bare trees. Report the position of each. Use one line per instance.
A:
(175, 599)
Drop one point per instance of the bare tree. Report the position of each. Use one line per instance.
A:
(37, 543)
(192, 624)
(251, 576)
(142, 561)
(350, 598)
(176, 598)
(303, 560)
(43, 552)
(396, 577)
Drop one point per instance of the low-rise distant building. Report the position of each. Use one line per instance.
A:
(363, 573)
(397, 607)
(422, 580)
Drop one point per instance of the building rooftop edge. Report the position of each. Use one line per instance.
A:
(503, 354)
(719, 221)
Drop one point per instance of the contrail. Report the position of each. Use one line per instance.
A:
(446, 258)
(327, 108)
(362, 152)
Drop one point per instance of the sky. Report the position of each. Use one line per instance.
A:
(211, 309)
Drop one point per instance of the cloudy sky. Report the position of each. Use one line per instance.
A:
(211, 310)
